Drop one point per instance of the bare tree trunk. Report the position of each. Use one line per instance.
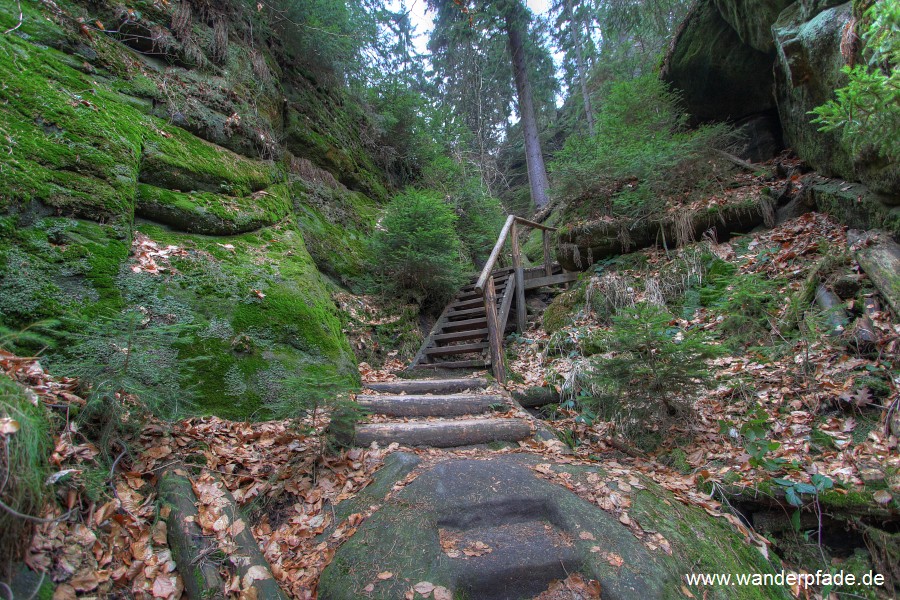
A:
(579, 66)
(537, 172)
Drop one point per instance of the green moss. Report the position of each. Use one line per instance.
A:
(253, 347)
(67, 140)
(562, 309)
(701, 545)
(177, 160)
(213, 214)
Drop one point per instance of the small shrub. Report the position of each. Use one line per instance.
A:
(650, 370)
(642, 137)
(866, 112)
(480, 217)
(417, 248)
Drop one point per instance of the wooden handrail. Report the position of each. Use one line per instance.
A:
(496, 323)
(498, 247)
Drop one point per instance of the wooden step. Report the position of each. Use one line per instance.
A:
(537, 282)
(471, 334)
(458, 349)
(464, 325)
(466, 312)
(498, 280)
(473, 294)
(444, 434)
(462, 304)
(451, 405)
(455, 364)
(428, 386)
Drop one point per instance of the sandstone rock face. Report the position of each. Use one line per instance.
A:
(808, 67)
(753, 20)
(495, 530)
(720, 77)
(734, 60)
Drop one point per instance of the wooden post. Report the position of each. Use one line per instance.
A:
(495, 335)
(548, 266)
(520, 279)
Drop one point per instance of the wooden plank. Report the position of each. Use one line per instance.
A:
(458, 349)
(505, 304)
(551, 280)
(495, 253)
(444, 434)
(461, 304)
(455, 364)
(495, 332)
(429, 339)
(428, 386)
(452, 405)
(464, 325)
(473, 294)
(520, 280)
(471, 334)
(468, 312)
(548, 264)
(535, 225)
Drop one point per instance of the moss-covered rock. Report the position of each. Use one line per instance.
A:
(854, 204)
(535, 531)
(752, 20)
(719, 76)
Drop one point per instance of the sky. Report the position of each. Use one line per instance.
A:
(422, 20)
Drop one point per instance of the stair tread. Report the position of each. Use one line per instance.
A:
(426, 386)
(444, 433)
(455, 364)
(457, 349)
(460, 335)
(448, 405)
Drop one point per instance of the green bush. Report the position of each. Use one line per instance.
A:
(642, 148)
(417, 248)
(867, 111)
(649, 372)
(480, 218)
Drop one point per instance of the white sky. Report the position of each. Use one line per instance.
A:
(423, 22)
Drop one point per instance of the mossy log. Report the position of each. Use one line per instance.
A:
(833, 308)
(190, 548)
(880, 259)
(836, 503)
(579, 247)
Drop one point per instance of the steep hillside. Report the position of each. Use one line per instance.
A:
(172, 190)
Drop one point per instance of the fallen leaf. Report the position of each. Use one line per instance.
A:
(882, 497)
(442, 593)
(8, 426)
(586, 535)
(424, 587)
(384, 575)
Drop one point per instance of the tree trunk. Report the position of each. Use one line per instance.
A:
(579, 66)
(537, 172)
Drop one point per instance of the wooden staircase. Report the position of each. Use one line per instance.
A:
(459, 338)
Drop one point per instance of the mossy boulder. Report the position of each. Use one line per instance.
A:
(752, 20)
(854, 204)
(532, 531)
(720, 77)
(808, 37)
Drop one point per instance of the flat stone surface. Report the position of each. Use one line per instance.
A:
(532, 527)
(492, 530)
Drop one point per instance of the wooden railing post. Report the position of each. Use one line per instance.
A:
(520, 278)
(548, 266)
(495, 336)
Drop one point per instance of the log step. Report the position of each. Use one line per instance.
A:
(444, 434)
(455, 364)
(473, 303)
(428, 386)
(458, 349)
(471, 334)
(430, 406)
